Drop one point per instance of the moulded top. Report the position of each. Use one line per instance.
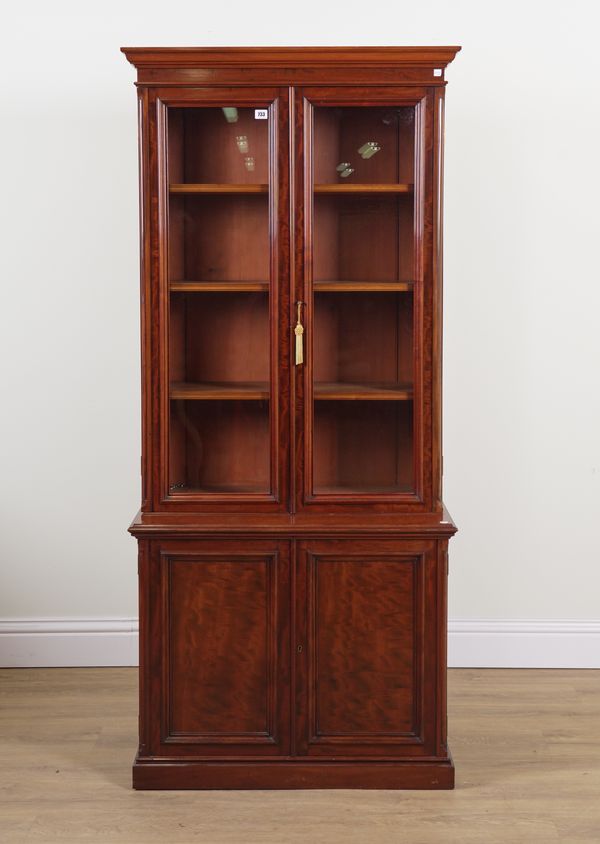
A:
(284, 56)
(288, 65)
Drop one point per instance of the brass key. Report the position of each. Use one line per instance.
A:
(299, 331)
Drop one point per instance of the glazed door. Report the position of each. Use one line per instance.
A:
(363, 287)
(215, 628)
(366, 641)
(224, 278)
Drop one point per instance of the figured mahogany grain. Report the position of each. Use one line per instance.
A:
(218, 645)
(214, 623)
(364, 647)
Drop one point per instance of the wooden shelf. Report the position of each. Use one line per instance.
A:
(362, 489)
(218, 286)
(259, 390)
(221, 391)
(218, 188)
(359, 286)
(221, 489)
(340, 391)
(364, 188)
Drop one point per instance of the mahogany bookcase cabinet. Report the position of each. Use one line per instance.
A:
(292, 536)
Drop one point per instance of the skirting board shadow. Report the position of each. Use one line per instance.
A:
(476, 643)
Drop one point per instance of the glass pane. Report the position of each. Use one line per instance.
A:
(225, 145)
(363, 238)
(219, 281)
(363, 446)
(363, 274)
(364, 145)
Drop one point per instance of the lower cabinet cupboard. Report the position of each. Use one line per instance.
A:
(317, 660)
(219, 637)
(364, 612)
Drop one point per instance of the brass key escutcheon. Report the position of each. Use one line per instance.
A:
(299, 331)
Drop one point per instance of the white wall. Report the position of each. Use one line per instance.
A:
(522, 292)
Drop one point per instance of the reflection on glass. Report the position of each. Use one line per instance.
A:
(369, 149)
(376, 143)
(208, 145)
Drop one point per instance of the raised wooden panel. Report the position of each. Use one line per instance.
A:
(364, 647)
(365, 672)
(220, 647)
(224, 654)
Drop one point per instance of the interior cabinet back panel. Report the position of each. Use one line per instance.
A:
(217, 327)
(376, 347)
(203, 147)
(342, 463)
(224, 238)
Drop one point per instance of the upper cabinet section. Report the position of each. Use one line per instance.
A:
(291, 278)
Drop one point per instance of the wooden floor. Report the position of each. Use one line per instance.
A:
(526, 746)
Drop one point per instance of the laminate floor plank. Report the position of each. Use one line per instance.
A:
(526, 745)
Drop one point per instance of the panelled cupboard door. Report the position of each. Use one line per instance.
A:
(215, 628)
(366, 647)
(365, 279)
(222, 230)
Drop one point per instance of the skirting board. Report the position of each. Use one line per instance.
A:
(524, 644)
(29, 643)
(55, 642)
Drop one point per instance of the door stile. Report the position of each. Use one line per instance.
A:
(281, 223)
(298, 289)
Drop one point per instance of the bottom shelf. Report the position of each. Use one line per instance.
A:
(365, 488)
(216, 489)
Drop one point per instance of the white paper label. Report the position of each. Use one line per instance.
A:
(260, 113)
